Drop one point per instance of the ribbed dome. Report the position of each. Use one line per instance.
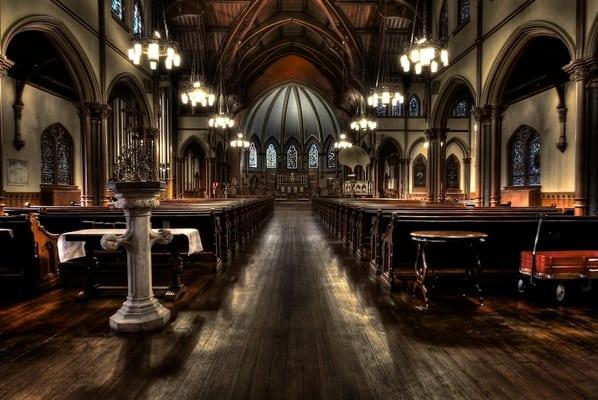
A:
(291, 111)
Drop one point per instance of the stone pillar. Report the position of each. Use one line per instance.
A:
(480, 116)
(496, 115)
(5, 65)
(405, 177)
(579, 72)
(141, 312)
(436, 138)
(467, 177)
(17, 107)
(94, 148)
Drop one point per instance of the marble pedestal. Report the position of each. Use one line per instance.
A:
(141, 312)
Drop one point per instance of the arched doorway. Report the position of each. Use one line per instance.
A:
(391, 181)
(192, 178)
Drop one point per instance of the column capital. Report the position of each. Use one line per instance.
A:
(581, 69)
(466, 160)
(480, 113)
(5, 65)
(436, 133)
(94, 110)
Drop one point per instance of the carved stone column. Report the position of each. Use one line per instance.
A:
(562, 110)
(17, 107)
(436, 138)
(579, 71)
(94, 144)
(5, 65)
(592, 126)
(480, 115)
(405, 177)
(467, 177)
(141, 312)
(496, 115)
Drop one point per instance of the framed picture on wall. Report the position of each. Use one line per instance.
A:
(18, 172)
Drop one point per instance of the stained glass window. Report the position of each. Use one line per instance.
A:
(414, 108)
(461, 109)
(453, 172)
(57, 156)
(292, 157)
(464, 11)
(117, 9)
(525, 146)
(271, 156)
(252, 156)
(443, 29)
(419, 172)
(313, 156)
(393, 110)
(331, 157)
(137, 19)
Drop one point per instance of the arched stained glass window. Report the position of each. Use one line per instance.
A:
(331, 157)
(292, 157)
(419, 172)
(137, 18)
(313, 156)
(117, 9)
(381, 110)
(57, 156)
(414, 107)
(252, 156)
(271, 156)
(525, 146)
(464, 11)
(396, 110)
(443, 28)
(453, 172)
(461, 109)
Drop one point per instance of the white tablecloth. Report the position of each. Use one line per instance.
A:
(9, 231)
(68, 250)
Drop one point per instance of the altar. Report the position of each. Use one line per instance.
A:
(292, 182)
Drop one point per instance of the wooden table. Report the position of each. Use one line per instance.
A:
(467, 239)
(84, 242)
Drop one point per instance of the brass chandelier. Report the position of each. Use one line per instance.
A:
(423, 52)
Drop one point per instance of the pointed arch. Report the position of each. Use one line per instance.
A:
(524, 150)
(414, 106)
(420, 172)
(78, 65)
(456, 87)
(511, 51)
(453, 172)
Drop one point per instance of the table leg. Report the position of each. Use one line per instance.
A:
(478, 273)
(91, 285)
(421, 272)
(177, 289)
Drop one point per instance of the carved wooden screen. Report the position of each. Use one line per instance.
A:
(57, 156)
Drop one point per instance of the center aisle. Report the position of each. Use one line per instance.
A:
(289, 325)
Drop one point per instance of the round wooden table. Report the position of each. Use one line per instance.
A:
(467, 239)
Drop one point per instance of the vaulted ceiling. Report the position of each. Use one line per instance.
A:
(341, 38)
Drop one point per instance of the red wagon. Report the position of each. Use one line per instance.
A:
(556, 267)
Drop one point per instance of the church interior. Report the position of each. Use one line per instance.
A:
(298, 199)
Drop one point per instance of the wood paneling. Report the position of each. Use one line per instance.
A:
(18, 199)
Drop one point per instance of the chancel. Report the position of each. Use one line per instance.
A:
(298, 199)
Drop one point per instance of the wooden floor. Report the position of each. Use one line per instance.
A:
(296, 317)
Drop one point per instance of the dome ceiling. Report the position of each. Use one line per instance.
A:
(291, 112)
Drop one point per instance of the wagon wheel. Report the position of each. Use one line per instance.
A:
(585, 286)
(521, 285)
(559, 292)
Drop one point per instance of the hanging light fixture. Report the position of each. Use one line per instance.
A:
(195, 92)
(384, 92)
(221, 120)
(362, 122)
(343, 142)
(423, 52)
(239, 141)
(155, 48)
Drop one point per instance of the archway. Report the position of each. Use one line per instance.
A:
(192, 177)
(391, 179)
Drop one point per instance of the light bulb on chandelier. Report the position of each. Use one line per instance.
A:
(155, 48)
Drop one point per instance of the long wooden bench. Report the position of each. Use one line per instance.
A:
(224, 225)
(378, 230)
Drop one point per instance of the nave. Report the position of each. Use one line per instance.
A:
(295, 316)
